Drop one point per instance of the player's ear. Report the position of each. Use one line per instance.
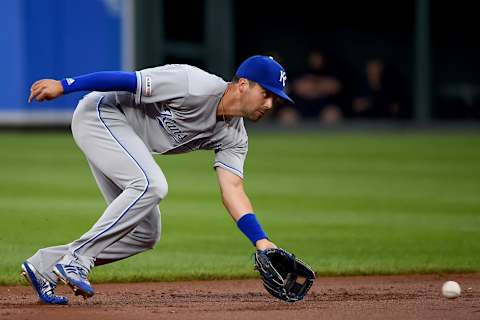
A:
(243, 85)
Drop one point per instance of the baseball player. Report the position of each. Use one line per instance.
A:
(128, 117)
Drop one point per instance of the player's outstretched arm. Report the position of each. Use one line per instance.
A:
(240, 208)
(45, 89)
(48, 89)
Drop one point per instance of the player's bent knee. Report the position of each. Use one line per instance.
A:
(138, 184)
(153, 189)
(158, 188)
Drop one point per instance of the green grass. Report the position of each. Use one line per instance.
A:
(345, 203)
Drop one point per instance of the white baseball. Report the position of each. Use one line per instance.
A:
(451, 289)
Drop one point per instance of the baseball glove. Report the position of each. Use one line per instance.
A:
(284, 276)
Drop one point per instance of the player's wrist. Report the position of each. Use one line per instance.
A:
(264, 244)
(60, 87)
(251, 228)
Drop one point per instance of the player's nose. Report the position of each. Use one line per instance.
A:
(268, 104)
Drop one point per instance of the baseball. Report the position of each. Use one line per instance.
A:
(451, 289)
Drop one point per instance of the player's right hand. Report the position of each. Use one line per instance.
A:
(45, 89)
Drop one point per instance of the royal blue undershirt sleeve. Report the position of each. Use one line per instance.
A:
(101, 81)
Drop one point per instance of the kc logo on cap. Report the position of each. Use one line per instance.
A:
(283, 77)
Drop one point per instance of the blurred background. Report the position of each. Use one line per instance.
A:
(347, 62)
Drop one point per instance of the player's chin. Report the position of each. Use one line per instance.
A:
(256, 116)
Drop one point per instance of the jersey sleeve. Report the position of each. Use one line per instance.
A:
(164, 83)
(231, 159)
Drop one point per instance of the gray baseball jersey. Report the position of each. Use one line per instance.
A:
(174, 111)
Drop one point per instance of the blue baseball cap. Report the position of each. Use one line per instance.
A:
(267, 72)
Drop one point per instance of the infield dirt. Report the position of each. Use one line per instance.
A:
(372, 297)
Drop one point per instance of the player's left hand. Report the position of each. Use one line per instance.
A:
(45, 89)
(284, 276)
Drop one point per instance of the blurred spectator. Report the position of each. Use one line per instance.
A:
(315, 91)
(457, 101)
(382, 94)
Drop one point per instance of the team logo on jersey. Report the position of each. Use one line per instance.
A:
(283, 77)
(148, 86)
(70, 81)
(165, 119)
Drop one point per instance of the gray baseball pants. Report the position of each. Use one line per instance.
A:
(130, 180)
